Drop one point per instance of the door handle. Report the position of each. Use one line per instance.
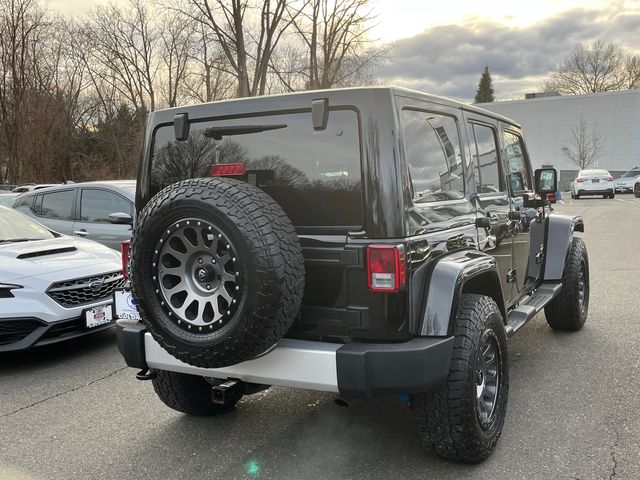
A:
(81, 233)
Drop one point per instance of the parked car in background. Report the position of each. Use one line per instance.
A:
(593, 182)
(52, 287)
(32, 186)
(626, 182)
(7, 199)
(100, 211)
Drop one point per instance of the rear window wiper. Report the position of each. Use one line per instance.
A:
(218, 132)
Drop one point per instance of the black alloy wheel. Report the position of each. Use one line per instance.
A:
(197, 275)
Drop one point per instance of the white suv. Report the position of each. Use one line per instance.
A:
(52, 287)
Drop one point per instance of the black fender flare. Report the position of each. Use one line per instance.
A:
(558, 240)
(448, 279)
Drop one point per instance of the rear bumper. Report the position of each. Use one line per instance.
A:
(603, 191)
(353, 370)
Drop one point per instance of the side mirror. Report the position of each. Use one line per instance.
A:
(546, 181)
(121, 218)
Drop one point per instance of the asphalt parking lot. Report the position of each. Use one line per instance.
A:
(74, 411)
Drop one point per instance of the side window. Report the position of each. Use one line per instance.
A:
(516, 163)
(486, 164)
(432, 149)
(97, 205)
(57, 205)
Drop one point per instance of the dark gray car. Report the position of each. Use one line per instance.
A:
(100, 211)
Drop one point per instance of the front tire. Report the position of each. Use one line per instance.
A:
(462, 419)
(569, 310)
(187, 394)
(636, 190)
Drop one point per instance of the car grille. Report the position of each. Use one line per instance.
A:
(82, 291)
(15, 330)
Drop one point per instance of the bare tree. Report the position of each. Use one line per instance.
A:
(585, 147)
(339, 51)
(177, 46)
(598, 68)
(209, 76)
(21, 26)
(248, 32)
(631, 73)
(126, 43)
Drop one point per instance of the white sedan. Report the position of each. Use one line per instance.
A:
(593, 182)
(52, 287)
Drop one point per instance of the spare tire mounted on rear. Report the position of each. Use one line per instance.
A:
(217, 270)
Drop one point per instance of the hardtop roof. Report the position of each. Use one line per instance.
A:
(360, 91)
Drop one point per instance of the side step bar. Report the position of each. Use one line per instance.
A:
(519, 316)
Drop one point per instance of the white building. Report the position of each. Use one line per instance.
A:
(547, 123)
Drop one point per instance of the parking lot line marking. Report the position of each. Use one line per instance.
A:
(561, 201)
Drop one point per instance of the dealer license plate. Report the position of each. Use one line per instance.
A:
(126, 305)
(96, 316)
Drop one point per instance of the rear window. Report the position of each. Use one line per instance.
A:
(593, 173)
(56, 205)
(315, 176)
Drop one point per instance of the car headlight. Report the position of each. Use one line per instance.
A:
(5, 290)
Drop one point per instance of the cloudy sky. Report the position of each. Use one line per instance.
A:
(442, 47)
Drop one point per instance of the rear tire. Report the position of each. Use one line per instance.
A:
(462, 419)
(187, 394)
(569, 310)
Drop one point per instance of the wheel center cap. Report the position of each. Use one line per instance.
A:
(204, 274)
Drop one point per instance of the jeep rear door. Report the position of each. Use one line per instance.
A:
(315, 175)
(492, 198)
(528, 235)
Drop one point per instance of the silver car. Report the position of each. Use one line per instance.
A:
(100, 211)
(627, 181)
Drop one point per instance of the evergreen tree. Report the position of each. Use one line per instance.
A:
(485, 88)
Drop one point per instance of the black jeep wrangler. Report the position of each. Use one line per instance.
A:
(360, 241)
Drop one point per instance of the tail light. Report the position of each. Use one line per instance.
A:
(125, 248)
(580, 180)
(385, 268)
(610, 179)
(228, 169)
